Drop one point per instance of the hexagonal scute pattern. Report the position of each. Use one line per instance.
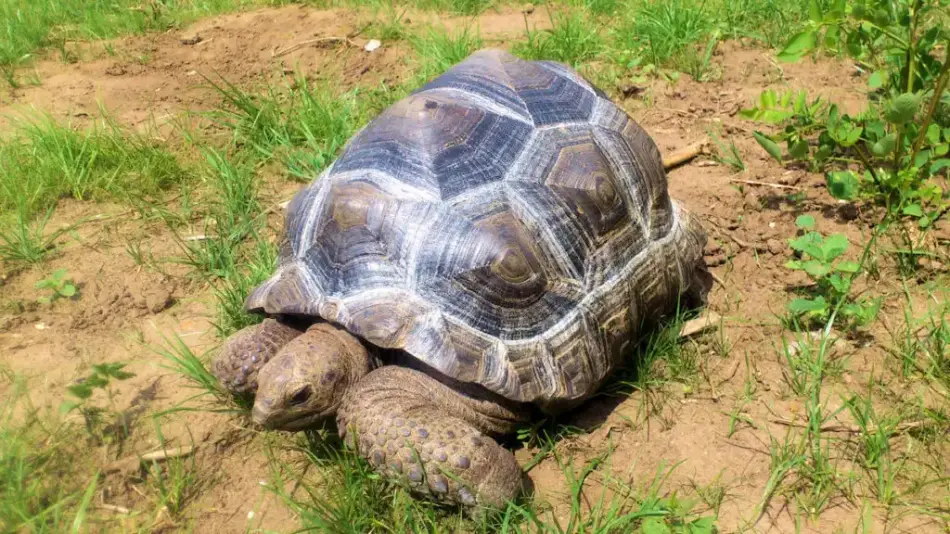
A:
(505, 224)
(441, 144)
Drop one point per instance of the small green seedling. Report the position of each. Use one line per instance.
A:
(61, 286)
(83, 390)
(820, 259)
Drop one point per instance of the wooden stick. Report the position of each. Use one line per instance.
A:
(852, 429)
(683, 155)
(165, 454)
(310, 42)
(767, 184)
(707, 321)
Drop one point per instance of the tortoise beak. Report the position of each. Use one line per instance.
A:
(273, 420)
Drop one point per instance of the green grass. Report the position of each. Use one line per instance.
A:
(209, 395)
(660, 360)
(230, 250)
(388, 23)
(44, 160)
(437, 50)
(302, 126)
(41, 484)
(572, 38)
(25, 242)
(664, 32)
(922, 346)
(28, 26)
(682, 35)
(599, 7)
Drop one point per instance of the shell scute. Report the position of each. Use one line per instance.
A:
(438, 143)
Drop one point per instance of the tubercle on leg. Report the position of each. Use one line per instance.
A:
(414, 436)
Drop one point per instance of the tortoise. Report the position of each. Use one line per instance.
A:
(484, 251)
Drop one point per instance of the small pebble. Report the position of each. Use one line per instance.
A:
(775, 246)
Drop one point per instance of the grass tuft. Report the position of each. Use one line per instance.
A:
(39, 478)
(664, 32)
(44, 161)
(437, 50)
(573, 38)
(302, 126)
(27, 243)
(181, 360)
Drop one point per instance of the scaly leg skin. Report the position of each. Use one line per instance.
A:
(415, 429)
(245, 352)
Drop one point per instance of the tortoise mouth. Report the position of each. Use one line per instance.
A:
(291, 422)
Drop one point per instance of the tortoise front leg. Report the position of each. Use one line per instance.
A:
(414, 429)
(244, 353)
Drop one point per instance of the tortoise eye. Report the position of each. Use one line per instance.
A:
(301, 396)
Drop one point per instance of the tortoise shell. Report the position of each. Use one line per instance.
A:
(506, 224)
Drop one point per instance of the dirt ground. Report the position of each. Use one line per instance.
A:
(124, 307)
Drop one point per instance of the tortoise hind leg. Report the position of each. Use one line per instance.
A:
(245, 352)
(414, 429)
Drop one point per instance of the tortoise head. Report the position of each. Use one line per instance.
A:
(304, 383)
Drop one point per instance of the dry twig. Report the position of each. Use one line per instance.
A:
(685, 154)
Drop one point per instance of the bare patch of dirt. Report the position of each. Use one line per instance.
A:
(153, 78)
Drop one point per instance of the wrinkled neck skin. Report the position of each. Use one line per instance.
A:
(304, 383)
